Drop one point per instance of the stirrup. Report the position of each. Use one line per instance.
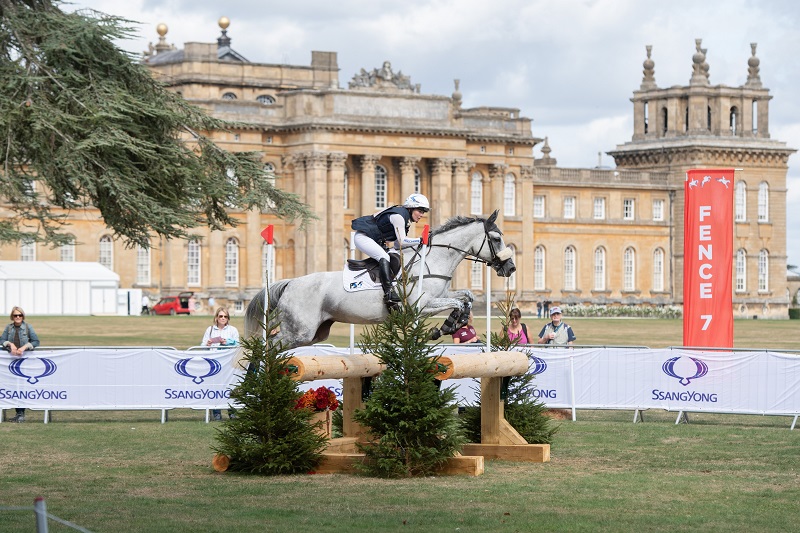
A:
(392, 300)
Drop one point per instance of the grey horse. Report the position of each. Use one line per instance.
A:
(310, 304)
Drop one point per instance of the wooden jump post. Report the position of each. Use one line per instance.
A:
(499, 439)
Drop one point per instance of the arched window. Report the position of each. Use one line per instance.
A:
(193, 263)
(509, 196)
(417, 180)
(476, 194)
(658, 270)
(511, 281)
(346, 192)
(267, 263)
(763, 271)
(476, 276)
(569, 268)
(740, 202)
(741, 270)
(734, 120)
(708, 118)
(142, 265)
(763, 202)
(232, 262)
(646, 117)
(67, 251)
(265, 99)
(664, 120)
(106, 256)
(755, 116)
(228, 96)
(27, 250)
(380, 187)
(599, 268)
(538, 268)
(629, 270)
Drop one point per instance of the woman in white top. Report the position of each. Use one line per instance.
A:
(221, 334)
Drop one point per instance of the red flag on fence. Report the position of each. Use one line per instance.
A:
(425, 233)
(708, 258)
(267, 232)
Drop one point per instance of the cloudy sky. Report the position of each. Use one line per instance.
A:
(570, 65)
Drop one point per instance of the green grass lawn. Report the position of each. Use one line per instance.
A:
(125, 471)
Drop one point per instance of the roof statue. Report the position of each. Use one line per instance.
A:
(383, 79)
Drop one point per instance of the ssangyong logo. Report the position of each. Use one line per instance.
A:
(198, 368)
(538, 365)
(685, 369)
(32, 372)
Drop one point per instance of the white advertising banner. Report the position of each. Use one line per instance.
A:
(590, 378)
(129, 378)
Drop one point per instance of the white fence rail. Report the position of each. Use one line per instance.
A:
(681, 380)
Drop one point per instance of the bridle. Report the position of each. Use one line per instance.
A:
(498, 259)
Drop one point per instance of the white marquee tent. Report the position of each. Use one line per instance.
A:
(58, 288)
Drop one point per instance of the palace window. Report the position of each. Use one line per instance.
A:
(740, 202)
(232, 262)
(658, 270)
(629, 270)
(67, 251)
(476, 276)
(628, 209)
(763, 271)
(763, 202)
(380, 187)
(569, 207)
(658, 210)
(741, 270)
(599, 208)
(538, 268)
(569, 268)
(193, 263)
(511, 281)
(142, 265)
(229, 96)
(509, 196)
(476, 194)
(27, 250)
(265, 99)
(538, 206)
(417, 180)
(106, 256)
(600, 269)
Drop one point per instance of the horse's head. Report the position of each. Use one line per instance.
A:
(500, 255)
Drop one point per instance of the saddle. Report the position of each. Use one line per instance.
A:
(371, 266)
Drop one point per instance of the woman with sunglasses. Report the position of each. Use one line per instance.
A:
(19, 337)
(516, 330)
(391, 225)
(221, 334)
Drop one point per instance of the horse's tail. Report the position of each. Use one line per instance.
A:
(254, 315)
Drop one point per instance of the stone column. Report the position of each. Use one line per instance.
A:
(461, 186)
(497, 177)
(335, 210)
(298, 163)
(317, 247)
(368, 163)
(441, 185)
(524, 256)
(407, 165)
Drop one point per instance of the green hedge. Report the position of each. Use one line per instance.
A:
(794, 313)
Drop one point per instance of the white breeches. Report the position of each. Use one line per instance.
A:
(367, 245)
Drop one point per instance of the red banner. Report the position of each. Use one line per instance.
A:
(708, 258)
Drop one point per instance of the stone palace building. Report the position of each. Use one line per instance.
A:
(579, 235)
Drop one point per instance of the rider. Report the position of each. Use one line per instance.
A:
(373, 232)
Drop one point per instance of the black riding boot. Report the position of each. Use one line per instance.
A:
(390, 297)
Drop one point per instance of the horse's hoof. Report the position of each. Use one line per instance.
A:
(435, 333)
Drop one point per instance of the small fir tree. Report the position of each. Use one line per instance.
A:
(525, 414)
(269, 436)
(409, 418)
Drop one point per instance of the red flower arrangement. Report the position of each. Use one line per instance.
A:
(321, 399)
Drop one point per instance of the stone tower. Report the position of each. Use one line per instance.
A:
(715, 126)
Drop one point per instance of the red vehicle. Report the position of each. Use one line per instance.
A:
(173, 305)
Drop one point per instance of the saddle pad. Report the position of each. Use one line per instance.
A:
(359, 280)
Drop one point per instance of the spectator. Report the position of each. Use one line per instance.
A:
(517, 331)
(539, 309)
(547, 304)
(556, 332)
(221, 334)
(467, 333)
(145, 304)
(19, 337)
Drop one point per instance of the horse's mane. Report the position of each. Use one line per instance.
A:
(458, 221)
